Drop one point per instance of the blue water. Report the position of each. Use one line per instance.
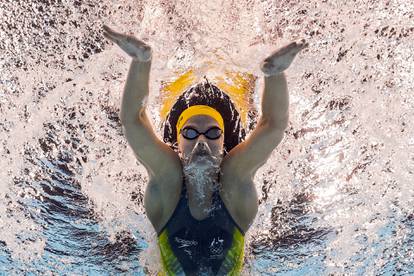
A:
(336, 196)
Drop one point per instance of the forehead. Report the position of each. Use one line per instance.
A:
(201, 121)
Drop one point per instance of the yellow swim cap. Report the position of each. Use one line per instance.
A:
(198, 110)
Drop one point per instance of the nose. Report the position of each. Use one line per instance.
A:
(202, 144)
(204, 141)
(202, 147)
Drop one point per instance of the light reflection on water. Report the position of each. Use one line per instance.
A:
(335, 196)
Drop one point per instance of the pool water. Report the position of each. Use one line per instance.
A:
(336, 196)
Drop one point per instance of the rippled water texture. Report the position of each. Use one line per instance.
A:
(336, 196)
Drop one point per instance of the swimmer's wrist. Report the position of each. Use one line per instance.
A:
(144, 54)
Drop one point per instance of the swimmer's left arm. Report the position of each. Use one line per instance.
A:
(241, 163)
(247, 157)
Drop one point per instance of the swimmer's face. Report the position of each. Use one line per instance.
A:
(200, 146)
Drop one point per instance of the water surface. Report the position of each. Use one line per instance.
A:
(336, 196)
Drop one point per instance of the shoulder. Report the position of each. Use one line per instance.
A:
(240, 199)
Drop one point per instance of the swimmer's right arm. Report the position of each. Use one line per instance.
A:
(136, 87)
(158, 158)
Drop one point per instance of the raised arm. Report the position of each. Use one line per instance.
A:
(244, 160)
(158, 158)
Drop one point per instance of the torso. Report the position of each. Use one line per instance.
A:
(235, 202)
(213, 245)
(234, 212)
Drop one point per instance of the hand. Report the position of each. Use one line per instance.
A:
(135, 48)
(281, 59)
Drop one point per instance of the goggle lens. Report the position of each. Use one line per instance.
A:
(213, 133)
(191, 133)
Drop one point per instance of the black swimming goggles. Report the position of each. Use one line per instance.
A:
(212, 133)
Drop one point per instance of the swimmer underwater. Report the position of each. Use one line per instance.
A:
(201, 198)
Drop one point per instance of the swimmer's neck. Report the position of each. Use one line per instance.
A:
(200, 196)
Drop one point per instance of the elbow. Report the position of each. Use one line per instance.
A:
(281, 125)
(275, 125)
(276, 131)
(133, 118)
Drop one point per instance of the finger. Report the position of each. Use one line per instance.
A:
(108, 36)
(112, 33)
(108, 33)
(302, 43)
(108, 29)
(303, 46)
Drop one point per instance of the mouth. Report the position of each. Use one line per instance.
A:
(201, 155)
(201, 152)
(201, 149)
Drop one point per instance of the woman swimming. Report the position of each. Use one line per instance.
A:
(201, 197)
